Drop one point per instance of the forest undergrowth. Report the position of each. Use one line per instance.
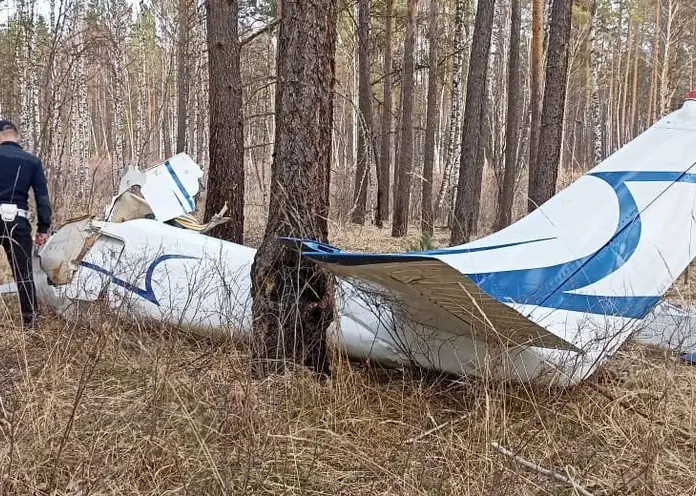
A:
(113, 407)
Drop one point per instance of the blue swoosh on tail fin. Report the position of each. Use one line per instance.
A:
(551, 286)
(147, 293)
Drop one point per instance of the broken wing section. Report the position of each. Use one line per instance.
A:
(169, 188)
(167, 193)
(433, 294)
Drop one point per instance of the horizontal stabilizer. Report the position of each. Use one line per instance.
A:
(435, 295)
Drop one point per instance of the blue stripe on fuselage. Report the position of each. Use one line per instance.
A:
(180, 185)
(147, 293)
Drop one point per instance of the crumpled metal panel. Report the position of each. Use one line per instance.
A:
(128, 206)
(61, 255)
(168, 188)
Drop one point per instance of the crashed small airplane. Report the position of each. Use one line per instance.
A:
(547, 299)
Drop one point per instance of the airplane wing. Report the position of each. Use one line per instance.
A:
(436, 295)
(169, 189)
(579, 272)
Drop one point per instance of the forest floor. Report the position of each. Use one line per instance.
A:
(115, 408)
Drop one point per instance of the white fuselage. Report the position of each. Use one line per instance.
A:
(144, 269)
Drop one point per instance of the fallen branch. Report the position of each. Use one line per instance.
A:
(541, 470)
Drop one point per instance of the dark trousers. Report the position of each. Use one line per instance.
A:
(17, 243)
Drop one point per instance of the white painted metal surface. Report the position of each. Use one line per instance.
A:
(672, 327)
(169, 188)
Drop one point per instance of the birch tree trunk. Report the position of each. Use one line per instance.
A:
(456, 108)
(431, 125)
(595, 111)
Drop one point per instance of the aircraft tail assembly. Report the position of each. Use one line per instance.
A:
(572, 280)
(547, 299)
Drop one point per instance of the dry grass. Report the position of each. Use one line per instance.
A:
(113, 408)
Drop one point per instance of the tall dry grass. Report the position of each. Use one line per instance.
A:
(107, 407)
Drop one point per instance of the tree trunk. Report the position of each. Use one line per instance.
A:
(430, 126)
(226, 137)
(362, 174)
(463, 224)
(596, 111)
(384, 171)
(543, 184)
(292, 297)
(536, 86)
(182, 74)
(654, 79)
(403, 195)
(512, 131)
(456, 109)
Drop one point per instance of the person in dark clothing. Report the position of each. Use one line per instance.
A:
(21, 171)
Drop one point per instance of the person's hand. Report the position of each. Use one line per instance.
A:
(40, 239)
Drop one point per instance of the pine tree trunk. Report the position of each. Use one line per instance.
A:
(536, 87)
(596, 111)
(292, 297)
(512, 131)
(403, 195)
(362, 174)
(470, 168)
(182, 75)
(430, 126)
(384, 171)
(543, 184)
(226, 170)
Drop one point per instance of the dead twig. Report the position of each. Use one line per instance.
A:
(541, 470)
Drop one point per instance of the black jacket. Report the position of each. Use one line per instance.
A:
(20, 171)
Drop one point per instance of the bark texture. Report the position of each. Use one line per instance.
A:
(362, 173)
(226, 141)
(292, 297)
(536, 86)
(512, 131)
(384, 170)
(402, 200)
(183, 73)
(543, 184)
(470, 165)
(453, 133)
(430, 126)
